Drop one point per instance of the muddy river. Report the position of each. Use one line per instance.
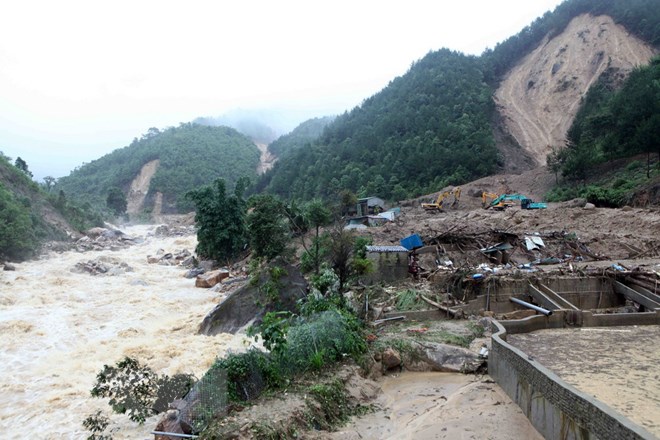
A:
(59, 328)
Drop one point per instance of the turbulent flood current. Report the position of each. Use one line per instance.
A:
(59, 328)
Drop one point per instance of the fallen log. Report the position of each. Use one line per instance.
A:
(451, 312)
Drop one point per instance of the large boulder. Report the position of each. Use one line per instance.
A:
(390, 358)
(175, 420)
(448, 358)
(251, 303)
(210, 279)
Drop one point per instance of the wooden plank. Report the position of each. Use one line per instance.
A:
(543, 299)
(440, 306)
(635, 296)
(557, 298)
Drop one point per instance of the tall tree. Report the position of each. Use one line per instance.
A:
(220, 218)
(317, 214)
(22, 165)
(49, 182)
(267, 226)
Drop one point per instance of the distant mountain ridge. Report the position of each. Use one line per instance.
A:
(189, 156)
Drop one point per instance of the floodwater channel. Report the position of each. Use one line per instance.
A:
(60, 327)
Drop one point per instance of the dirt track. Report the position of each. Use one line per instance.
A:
(539, 98)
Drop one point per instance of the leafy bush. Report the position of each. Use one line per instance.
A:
(248, 374)
(97, 424)
(135, 389)
(324, 338)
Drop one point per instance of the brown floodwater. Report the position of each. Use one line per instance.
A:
(617, 365)
(59, 328)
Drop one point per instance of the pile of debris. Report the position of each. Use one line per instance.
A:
(181, 257)
(103, 265)
(174, 231)
(99, 239)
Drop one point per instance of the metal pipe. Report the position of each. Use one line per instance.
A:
(546, 312)
(174, 434)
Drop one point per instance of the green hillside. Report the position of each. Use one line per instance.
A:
(433, 126)
(30, 214)
(614, 124)
(427, 129)
(302, 135)
(190, 155)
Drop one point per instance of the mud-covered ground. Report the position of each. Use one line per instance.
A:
(621, 357)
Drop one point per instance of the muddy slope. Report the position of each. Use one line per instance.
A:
(538, 99)
(140, 187)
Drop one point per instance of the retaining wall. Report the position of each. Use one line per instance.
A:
(585, 293)
(556, 409)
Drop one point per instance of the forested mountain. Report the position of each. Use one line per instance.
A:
(433, 126)
(190, 156)
(427, 129)
(302, 135)
(616, 123)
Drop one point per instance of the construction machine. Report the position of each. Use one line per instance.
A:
(438, 204)
(486, 198)
(505, 200)
(530, 204)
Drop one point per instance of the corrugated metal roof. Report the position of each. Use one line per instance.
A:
(386, 249)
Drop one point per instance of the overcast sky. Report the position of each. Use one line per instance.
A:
(80, 78)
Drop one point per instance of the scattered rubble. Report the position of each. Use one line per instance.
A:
(98, 239)
(182, 257)
(102, 266)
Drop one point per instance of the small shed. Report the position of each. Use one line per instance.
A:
(390, 263)
(370, 205)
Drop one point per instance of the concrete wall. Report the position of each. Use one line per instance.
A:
(555, 408)
(585, 293)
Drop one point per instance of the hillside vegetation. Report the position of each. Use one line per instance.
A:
(190, 156)
(435, 125)
(614, 124)
(30, 214)
(427, 129)
(302, 135)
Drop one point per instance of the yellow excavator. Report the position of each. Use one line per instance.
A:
(438, 204)
(486, 198)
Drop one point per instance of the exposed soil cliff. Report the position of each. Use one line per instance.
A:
(538, 99)
(140, 187)
(266, 160)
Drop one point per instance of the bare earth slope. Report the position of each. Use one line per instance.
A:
(140, 187)
(539, 98)
(266, 160)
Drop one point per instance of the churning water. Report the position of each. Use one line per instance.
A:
(58, 328)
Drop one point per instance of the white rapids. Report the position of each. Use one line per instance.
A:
(59, 328)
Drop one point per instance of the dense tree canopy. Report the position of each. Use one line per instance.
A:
(615, 123)
(427, 129)
(220, 218)
(190, 156)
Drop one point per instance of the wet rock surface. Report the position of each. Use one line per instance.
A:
(250, 303)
